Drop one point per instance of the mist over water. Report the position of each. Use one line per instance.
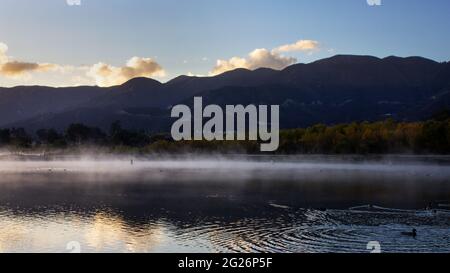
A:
(224, 204)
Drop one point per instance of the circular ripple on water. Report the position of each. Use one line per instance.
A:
(317, 231)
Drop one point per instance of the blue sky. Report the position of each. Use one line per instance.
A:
(174, 37)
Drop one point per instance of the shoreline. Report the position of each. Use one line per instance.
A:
(279, 158)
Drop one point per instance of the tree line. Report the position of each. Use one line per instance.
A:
(389, 136)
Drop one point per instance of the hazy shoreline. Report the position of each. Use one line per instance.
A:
(102, 156)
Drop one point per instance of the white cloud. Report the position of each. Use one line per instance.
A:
(256, 59)
(190, 74)
(266, 58)
(108, 75)
(301, 45)
(3, 49)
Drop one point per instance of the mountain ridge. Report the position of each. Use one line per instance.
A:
(341, 88)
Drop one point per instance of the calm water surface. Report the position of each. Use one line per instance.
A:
(240, 205)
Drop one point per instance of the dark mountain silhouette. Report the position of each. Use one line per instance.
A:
(24, 102)
(342, 88)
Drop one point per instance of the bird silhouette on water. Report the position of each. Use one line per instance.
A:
(410, 234)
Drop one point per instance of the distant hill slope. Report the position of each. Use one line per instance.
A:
(24, 102)
(342, 88)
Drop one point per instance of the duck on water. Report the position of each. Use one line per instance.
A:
(410, 234)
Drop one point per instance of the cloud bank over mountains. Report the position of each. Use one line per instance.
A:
(262, 57)
(104, 75)
(100, 74)
(108, 75)
(256, 59)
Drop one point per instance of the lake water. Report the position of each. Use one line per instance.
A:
(243, 204)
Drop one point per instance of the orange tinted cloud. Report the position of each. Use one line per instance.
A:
(102, 74)
(266, 58)
(256, 59)
(301, 45)
(108, 75)
(15, 68)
